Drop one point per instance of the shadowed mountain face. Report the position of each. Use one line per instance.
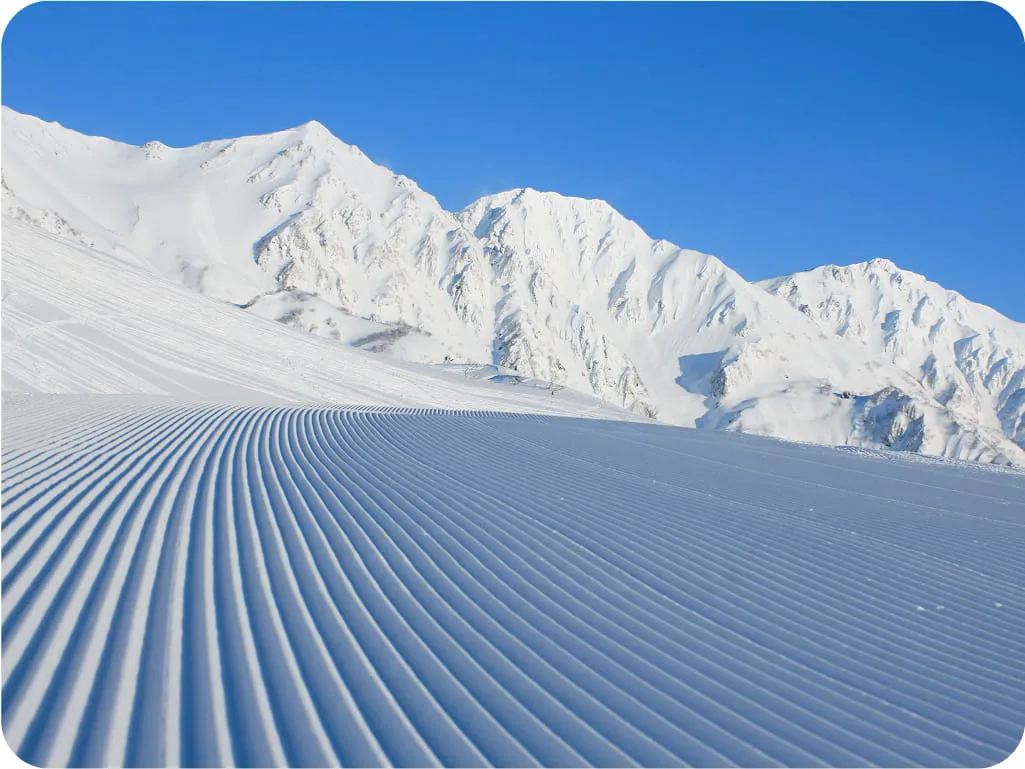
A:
(299, 227)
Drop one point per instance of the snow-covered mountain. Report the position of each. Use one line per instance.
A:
(704, 346)
(274, 222)
(297, 226)
(968, 357)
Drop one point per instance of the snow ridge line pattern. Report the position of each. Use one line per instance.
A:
(206, 585)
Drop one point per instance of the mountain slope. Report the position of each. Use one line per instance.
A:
(295, 212)
(696, 341)
(78, 322)
(299, 227)
(967, 356)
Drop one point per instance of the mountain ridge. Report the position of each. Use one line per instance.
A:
(301, 227)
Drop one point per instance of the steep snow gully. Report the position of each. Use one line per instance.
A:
(194, 584)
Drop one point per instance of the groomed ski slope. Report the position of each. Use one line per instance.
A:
(193, 584)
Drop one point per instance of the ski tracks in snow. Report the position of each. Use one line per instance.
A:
(207, 585)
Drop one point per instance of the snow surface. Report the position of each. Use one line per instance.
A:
(233, 535)
(197, 584)
(78, 321)
(969, 357)
(300, 227)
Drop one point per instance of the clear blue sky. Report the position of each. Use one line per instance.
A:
(778, 137)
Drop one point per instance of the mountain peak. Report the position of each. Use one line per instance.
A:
(882, 264)
(530, 195)
(315, 127)
(312, 133)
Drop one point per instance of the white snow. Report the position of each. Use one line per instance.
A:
(235, 533)
(299, 227)
(271, 585)
(968, 357)
(78, 321)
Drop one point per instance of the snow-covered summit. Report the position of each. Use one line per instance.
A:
(300, 227)
(240, 219)
(967, 356)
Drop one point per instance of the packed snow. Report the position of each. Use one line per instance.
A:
(299, 227)
(203, 585)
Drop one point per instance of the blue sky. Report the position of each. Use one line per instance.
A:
(776, 136)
